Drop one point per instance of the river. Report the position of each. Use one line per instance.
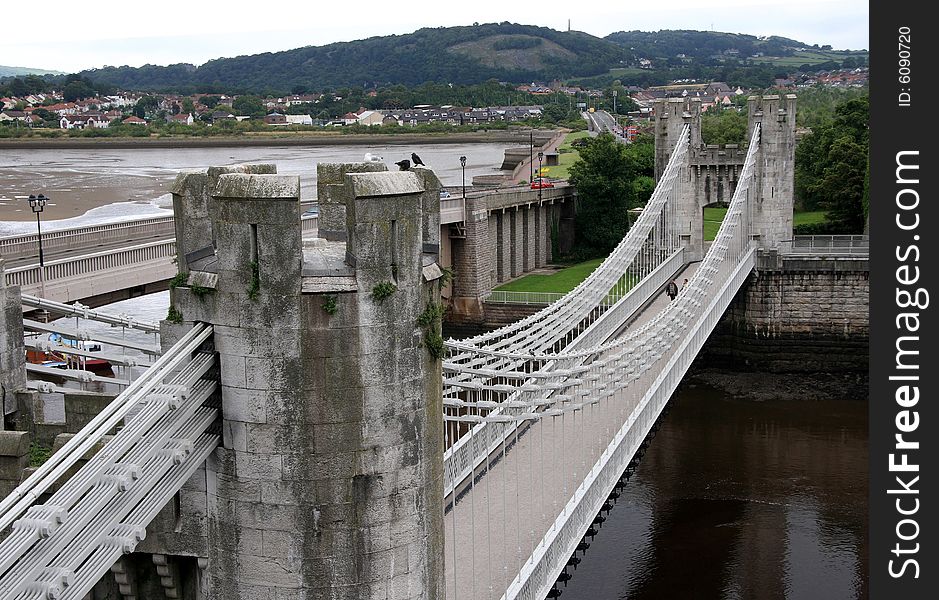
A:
(739, 498)
(101, 184)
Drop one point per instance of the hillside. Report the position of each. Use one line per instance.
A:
(474, 54)
(710, 46)
(464, 55)
(18, 71)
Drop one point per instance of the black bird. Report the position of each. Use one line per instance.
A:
(417, 160)
(404, 165)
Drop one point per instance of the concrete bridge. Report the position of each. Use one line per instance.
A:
(100, 264)
(294, 439)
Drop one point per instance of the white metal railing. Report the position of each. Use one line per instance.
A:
(88, 264)
(532, 344)
(512, 297)
(89, 235)
(78, 310)
(452, 210)
(827, 244)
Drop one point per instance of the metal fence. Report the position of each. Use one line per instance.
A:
(827, 244)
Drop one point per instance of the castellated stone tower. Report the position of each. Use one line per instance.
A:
(771, 208)
(329, 484)
(671, 115)
(712, 172)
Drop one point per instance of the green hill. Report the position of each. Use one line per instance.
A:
(459, 55)
(474, 54)
(18, 71)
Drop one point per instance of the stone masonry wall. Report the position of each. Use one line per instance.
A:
(801, 315)
(12, 351)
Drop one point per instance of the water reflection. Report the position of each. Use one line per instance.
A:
(740, 499)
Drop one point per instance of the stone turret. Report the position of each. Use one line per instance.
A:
(195, 207)
(329, 482)
(12, 351)
(771, 206)
(671, 115)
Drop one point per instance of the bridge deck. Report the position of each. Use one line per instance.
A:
(500, 520)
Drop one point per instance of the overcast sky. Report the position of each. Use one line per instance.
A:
(71, 37)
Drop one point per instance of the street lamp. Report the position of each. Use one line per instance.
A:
(37, 204)
(463, 169)
(540, 176)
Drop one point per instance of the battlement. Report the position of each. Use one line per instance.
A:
(713, 154)
(328, 348)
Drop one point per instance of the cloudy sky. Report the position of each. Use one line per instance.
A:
(69, 37)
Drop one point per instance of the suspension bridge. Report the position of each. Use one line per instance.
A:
(341, 456)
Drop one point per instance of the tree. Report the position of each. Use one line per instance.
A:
(723, 126)
(831, 167)
(251, 106)
(77, 90)
(611, 178)
(209, 101)
(145, 106)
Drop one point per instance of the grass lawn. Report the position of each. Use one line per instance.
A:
(714, 216)
(712, 222)
(566, 155)
(808, 218)
(561, 281)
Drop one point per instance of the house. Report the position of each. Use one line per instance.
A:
(83, 121)
(716, 87)
(370, 117)
(349, 118)
(275, 119)
(12, 115)
(63, 108)
(33, 120)
(183, 119)
(134, 120)
(221, 115)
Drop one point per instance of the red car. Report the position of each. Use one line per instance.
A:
(540, 183)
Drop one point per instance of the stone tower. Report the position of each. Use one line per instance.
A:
(713, 172)
(329, 482)
(671, 114)
(771, 207)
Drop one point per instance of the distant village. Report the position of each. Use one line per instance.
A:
(52, 111)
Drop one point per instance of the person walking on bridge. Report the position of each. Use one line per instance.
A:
(672, 290)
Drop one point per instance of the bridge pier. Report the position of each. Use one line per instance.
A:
(329, 481)
(504, 236)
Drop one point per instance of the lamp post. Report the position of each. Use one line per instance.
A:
(540, 176)
(37, 204)
(463, 170)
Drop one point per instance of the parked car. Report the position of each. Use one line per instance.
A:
(444, 194)
(541, 183)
